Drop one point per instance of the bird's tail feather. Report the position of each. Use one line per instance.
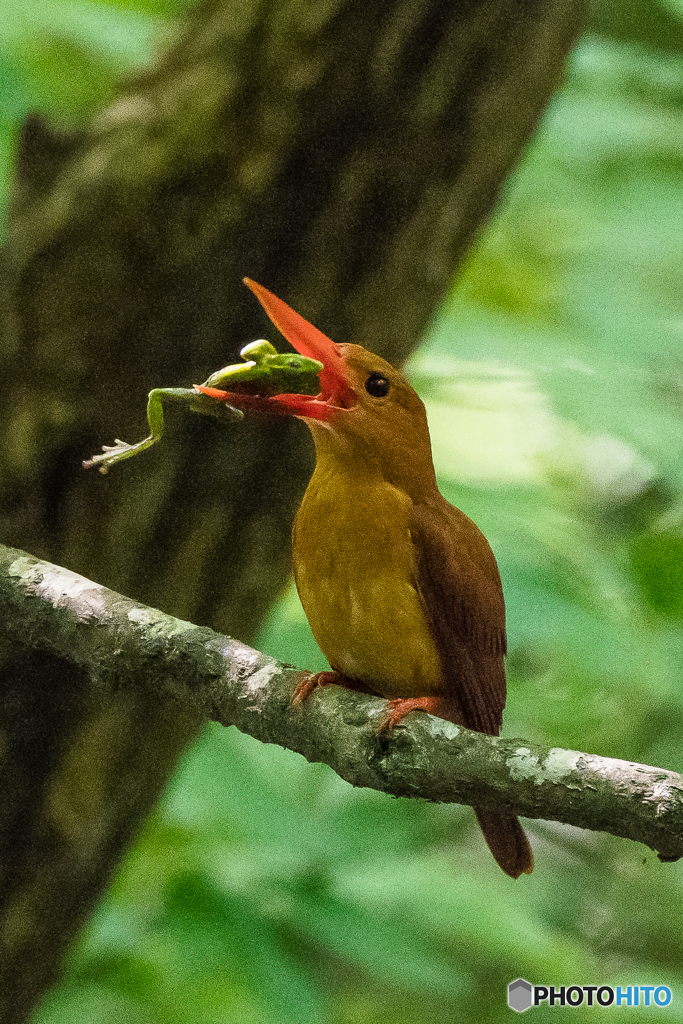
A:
(506, 840)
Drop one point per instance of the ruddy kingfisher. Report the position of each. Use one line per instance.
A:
(401, 589)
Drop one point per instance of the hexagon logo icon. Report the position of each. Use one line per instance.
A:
(520, 995)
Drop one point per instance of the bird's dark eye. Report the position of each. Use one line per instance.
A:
(377, 385)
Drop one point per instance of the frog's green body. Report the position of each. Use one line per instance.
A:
(265, 372)
(268, 372)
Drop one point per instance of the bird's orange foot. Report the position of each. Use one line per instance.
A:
(306, 687)
(398, 709)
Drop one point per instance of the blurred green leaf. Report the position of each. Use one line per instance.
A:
(64, 58)
(657, 560)
(121, 33)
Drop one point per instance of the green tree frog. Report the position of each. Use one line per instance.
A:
(265, 371)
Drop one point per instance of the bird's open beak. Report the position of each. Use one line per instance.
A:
(336, 392)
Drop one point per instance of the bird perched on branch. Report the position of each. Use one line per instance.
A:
(400, 588)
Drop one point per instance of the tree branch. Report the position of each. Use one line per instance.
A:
(120, 645)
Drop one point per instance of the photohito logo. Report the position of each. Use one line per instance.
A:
(522, 995)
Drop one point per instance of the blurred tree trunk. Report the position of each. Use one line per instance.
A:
(343, 155)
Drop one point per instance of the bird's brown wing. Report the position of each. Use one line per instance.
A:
(461, 592)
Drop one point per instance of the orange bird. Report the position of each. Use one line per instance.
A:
(400, 588)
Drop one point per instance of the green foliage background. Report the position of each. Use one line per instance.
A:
(267, 890)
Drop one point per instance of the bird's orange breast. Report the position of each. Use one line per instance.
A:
(354, 565)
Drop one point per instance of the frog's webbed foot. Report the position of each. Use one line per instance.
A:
(116, 452)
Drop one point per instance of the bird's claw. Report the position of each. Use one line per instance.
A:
(398, 709)
(313, 682)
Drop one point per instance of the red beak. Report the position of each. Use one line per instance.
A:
(336, 391)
